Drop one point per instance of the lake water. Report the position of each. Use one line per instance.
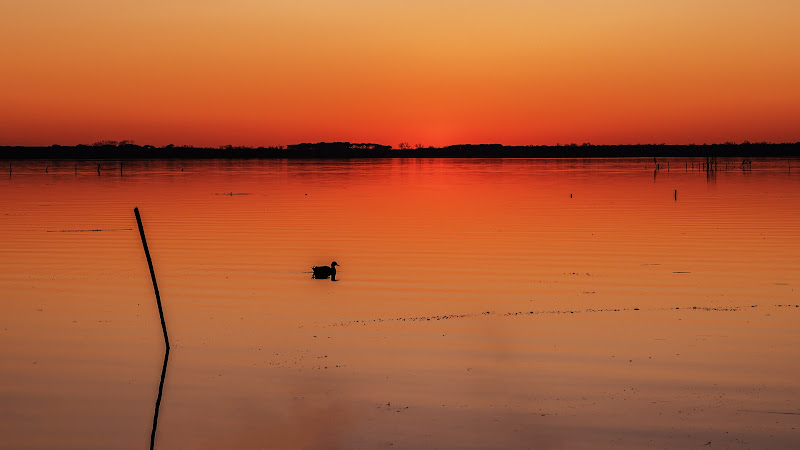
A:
(478, 304)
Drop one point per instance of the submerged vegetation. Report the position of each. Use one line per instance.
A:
(129, 150)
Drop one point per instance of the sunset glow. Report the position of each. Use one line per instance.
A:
(256, 73)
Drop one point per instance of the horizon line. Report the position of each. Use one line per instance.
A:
(375, 145)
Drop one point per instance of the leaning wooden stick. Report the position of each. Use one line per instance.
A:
(152, 275)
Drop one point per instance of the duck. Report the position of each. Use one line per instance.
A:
(325, 271)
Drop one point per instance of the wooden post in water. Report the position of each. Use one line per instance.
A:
(676, 195)
(152, 275)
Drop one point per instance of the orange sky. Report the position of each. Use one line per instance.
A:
(435, 72)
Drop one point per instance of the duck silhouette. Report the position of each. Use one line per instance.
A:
(323, 272)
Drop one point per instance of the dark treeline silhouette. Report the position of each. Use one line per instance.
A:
(122, 150)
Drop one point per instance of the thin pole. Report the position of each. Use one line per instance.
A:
(152, 275)
(158, 400)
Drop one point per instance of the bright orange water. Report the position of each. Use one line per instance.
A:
(477, 304)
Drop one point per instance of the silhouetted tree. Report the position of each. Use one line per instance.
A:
(105, 144)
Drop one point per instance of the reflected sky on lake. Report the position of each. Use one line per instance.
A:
(478, 303)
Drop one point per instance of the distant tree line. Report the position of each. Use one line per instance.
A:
(127, 149)
(336, 147)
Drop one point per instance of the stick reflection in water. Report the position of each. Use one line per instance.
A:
(158, 400)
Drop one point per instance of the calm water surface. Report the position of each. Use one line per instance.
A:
(479, 303)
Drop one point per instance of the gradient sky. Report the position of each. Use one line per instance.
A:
(434, 72)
